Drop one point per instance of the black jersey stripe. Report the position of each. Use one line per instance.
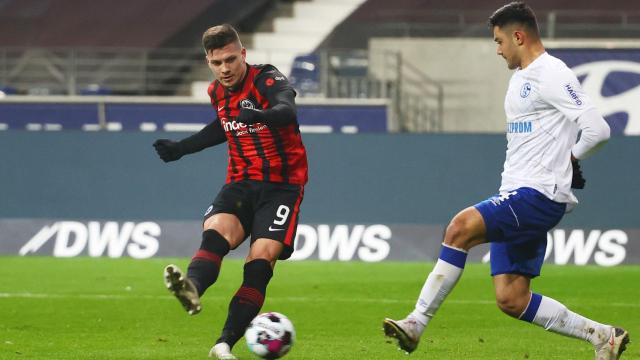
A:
(277, 139)
(234, 166)
(236, 140)
(265, 162)
(245, 172)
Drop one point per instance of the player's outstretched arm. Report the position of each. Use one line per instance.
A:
(595, 133)
(210, 135)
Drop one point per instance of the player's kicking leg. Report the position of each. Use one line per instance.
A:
(182, 288)
(206, 262)
(439, 283)
(465, 231)
(203, 271)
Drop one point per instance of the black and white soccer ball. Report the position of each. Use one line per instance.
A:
(270, 335)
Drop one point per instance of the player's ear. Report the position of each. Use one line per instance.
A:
(518, 37)
(244, 53)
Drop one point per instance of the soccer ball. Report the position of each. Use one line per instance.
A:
(270, 335)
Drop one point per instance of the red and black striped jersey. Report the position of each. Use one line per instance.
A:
(259, 151)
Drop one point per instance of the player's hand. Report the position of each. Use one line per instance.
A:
(250, 116)
(168, 150)
(577, 181)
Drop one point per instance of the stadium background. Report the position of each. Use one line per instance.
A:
(400, 105)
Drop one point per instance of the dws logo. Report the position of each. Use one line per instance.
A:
(614, 87)
(604, 248)
(72, 238)
(363, 242)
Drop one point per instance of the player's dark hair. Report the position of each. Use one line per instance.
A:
(219, 36)
(516, 12)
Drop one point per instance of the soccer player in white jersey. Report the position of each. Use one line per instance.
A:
(545, 108)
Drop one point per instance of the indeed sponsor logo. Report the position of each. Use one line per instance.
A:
(234, 125)
(344, 243)
(573, 94)
(72, 238)
(519, 127)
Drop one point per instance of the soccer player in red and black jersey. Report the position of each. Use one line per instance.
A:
(266, 174)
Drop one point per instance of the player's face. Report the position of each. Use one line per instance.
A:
(506, 46)
(228, 64)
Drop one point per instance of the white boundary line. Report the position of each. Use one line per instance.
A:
(29, 295)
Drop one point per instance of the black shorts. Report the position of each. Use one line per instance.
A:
(265, 209)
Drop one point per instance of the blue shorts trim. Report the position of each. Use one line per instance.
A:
(517, 223)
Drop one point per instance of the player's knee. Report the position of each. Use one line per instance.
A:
(265, 249)
(228, 226)
(510, 304)
(457, 233)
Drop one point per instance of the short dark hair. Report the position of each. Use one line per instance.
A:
(219, 36)
(516, 12)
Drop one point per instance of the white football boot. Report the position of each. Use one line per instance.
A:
(405, 331)
(614, 346)
(182, 288)
(222, 351)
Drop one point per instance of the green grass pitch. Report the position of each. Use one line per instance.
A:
(86, 308)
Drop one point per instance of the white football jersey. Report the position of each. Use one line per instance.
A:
(542, 104)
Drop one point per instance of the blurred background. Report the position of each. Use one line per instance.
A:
(400, 105)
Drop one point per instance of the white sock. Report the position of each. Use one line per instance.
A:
(555, 317)
(439, 284)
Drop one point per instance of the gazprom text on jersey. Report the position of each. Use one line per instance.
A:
(519, 127)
